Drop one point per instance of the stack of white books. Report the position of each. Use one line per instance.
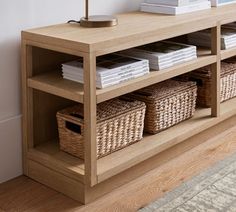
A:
(174, 7)
(216, 3)
(111, 70)
(164, 54)
(203, 38)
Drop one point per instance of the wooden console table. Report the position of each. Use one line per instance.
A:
(45, 92)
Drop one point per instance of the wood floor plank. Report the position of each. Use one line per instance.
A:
(58, 203)
(23, 194)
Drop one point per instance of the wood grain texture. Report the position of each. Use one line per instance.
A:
(215, 70)
(57, 181)
(132, 173)
(49, 153)
(44, 116)
(228, 53)
(27, 101)
(134, 29)
(43, 51)
(23, 194)
(53, 83)
(90, 120)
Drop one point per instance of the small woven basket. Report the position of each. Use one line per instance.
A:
(120, 123)
(203, 78)
(168, 103)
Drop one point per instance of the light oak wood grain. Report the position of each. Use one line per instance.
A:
(27, 102)
(53, 83)
(215, 70)
(48, 153)
(228, 53)
(138, 170)
(134, 29)
(90, 120)
(45, 92)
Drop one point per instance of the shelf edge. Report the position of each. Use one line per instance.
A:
(55, 164)
(55, 91)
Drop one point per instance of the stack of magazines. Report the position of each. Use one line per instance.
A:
(174, 7)
(111, 70)
(216, 3)
(164, 54)
(203, 38)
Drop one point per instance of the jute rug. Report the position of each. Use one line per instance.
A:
(212, 191)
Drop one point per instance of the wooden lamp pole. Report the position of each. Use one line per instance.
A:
(97, 20)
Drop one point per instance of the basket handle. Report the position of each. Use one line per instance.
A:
(142, 93)
(127, 99)
(76, 115)
(73, 127)
(198, 81)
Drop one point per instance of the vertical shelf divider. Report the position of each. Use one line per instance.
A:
(90, 109)
(27, 102)
(215, 69)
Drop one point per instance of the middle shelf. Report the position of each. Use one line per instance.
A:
(53, 83)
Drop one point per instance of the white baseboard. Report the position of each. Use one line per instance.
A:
(10, 148)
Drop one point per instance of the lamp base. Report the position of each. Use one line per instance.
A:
(98, 21)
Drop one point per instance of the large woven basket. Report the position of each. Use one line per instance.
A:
(168, 103)
(203, 78)
(120, 122)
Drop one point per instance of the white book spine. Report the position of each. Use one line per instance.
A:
(124, 80)
(174, 59)
(175, 3)
(216, 3)
(228, 46)
(103, 72)
(153, 8)
(171, 63)
(115, 82)
(151, 56)
(126, 76)
(114, 76)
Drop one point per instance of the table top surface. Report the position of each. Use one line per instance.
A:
(133, 25)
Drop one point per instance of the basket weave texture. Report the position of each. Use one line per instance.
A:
(168, 103)
(227, 82)
(120, 123)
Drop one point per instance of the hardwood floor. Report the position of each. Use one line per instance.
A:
(23, 194)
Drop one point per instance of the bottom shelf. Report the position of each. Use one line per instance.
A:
(49, 154)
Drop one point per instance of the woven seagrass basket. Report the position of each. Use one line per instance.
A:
(120, 123)
(168, 103)
(203, 78)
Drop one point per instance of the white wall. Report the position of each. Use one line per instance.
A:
(16, 15)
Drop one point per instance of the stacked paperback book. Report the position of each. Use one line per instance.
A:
(216, 3)
(174, 7)
(111, 70)
(203, 38)
(164, 54)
